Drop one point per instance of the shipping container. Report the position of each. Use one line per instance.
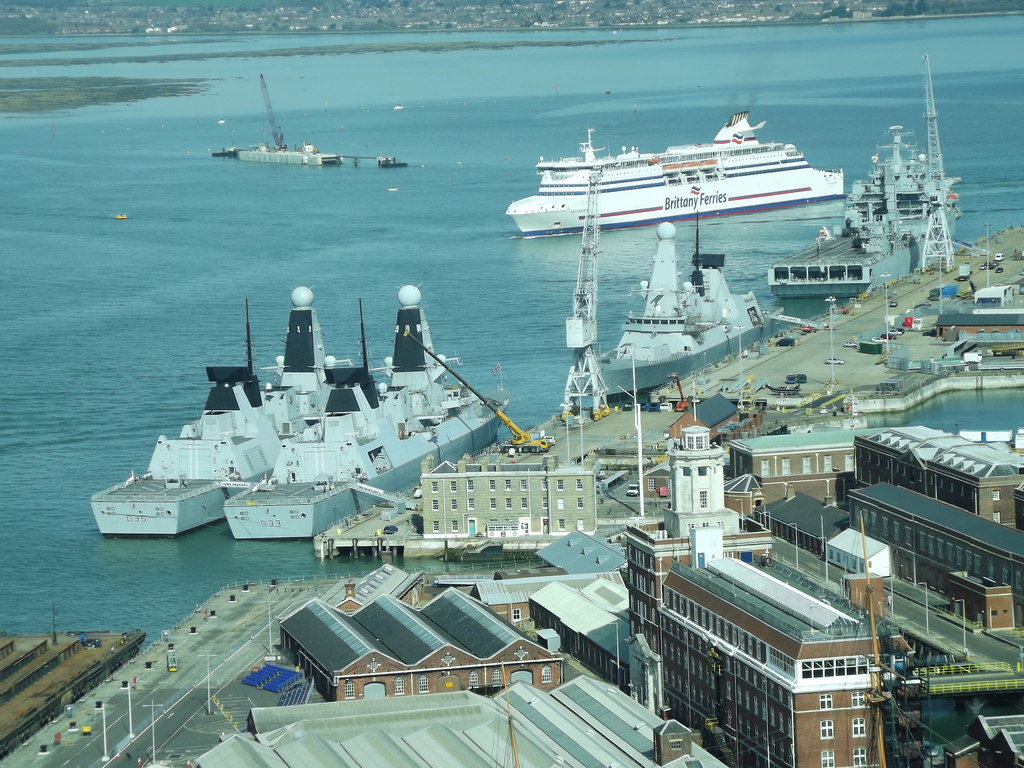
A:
(871, 347)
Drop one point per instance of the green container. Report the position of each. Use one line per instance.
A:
(871, 347)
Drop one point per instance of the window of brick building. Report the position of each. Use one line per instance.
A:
(424, 684)
(828, 759)
(828, 729)
(825, 701)
(350, 689)
(399, 686)
(860, 757)
(860, 726)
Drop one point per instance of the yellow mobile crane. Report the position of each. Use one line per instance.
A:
(521, 440)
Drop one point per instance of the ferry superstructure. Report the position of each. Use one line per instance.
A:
(886, 222)
(686, 324)
(735, 174)
(232, 445)
(374, 435)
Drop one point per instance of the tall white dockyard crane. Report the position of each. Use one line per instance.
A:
(585, 378)
(938, 247)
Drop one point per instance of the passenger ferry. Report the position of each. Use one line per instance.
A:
(735, 174)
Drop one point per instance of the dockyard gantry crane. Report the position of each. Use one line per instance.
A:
(585, 377)
(275, 131)
(938, 246)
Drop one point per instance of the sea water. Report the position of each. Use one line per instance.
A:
(108, 324)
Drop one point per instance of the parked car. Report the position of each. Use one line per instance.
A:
(633, 489)
(998, 257)
(786, 341)
(931, 332)
(850, 344)
(999, 269)
(894, 303)
(389, 529)
(835, 361)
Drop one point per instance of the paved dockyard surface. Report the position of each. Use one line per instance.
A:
(230, 635)
(853, 321)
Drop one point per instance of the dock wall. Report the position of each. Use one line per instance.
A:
(882, 403)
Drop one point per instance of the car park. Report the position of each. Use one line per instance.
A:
(835, 361)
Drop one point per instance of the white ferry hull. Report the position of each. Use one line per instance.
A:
(301, 510)
(661, 200)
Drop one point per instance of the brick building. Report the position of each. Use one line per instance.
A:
(498, 497)
(781, 674)
(697, 512)
(387, 648)
(980, 479)
(961, 555)
(816, 464)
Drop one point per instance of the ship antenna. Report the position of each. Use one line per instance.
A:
(362, 337)
(696, 239)
(248, 339)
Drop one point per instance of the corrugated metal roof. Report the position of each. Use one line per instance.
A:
(580, 612)
(584, 723)
(505, 591)
(851, 542)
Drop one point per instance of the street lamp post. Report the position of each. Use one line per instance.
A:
(153, 707)
(927, 623)
(739, 356)
(209, 698)
(988, 255)
(831, 344)
(963, 620)
(128, 688)
(885, 311)
(579, 420)
(103, 712)
(639, 435)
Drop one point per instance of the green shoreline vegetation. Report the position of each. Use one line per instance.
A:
(35, 95)
(45, 94)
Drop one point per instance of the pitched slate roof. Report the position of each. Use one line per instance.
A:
(579, 553)
(808, 514)
(715, 410)
(959, 523)
(390, 627)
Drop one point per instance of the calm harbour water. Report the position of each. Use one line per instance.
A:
(107, 324)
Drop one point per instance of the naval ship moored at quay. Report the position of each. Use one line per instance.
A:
(375, 430)
(686, 324)
(906, 198)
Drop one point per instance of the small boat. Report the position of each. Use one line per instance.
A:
(398, 107)
(392, 189)
(121, 216)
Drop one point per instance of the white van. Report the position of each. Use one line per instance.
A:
(633, 489)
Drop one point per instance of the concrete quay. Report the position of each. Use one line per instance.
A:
(151, 715)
